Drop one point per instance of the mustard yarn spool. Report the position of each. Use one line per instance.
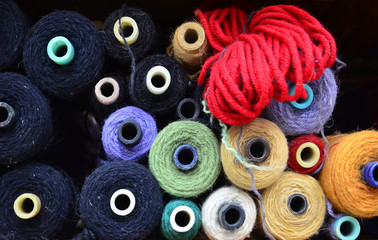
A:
(295, 206)
(268, 169)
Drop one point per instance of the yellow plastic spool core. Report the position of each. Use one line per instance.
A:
(27, 206)
(308, 155)
(126, 22)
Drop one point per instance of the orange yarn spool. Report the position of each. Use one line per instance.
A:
(341, 176)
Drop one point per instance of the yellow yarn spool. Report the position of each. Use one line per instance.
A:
(341, 176)
(27, 205)
(295, 206)
(270, 169)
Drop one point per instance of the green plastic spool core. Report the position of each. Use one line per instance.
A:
(346, 228)
(60, 50)
(302, 103)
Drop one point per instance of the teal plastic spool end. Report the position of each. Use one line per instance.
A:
(60, 50)
(305, 102)
(346, 228)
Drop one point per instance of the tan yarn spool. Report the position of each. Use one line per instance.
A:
(280, 219)
(275, 163)
(341, 177)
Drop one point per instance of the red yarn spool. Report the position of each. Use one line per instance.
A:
(254, 59)
(299, 144)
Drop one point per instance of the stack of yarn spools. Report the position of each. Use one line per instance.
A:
(220, 135)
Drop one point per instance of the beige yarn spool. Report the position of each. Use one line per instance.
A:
(295, 206)
(270, 169)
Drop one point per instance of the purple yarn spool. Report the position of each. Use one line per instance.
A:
(294, 121)
(115, 149)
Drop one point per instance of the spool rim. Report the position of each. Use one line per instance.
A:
(107, 100)
(158, 71)
(222, 218)
(129, 209)
(183, 30)
(138, 135)
(126, 22)
(306, 102)
(18, 207)
(10, 115)
(193, 162)
(303, 207)
(315, 156)
(356, 228)
(186, 101)
(251, 143)
(189, 212)
(53, 46)
(369, 172)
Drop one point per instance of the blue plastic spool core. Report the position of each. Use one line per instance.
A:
(129, 133)
(346, 228)
(302, 103)
(185, 157)
(369, 174)
(60, 50)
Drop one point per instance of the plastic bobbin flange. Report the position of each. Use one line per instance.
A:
(27, 206)
(188, 109)
(308, 155)
(191, 36)
(126, 22)
(231, 216)
(173, 219)
(163, 73)
(122, 193)
(297, 204)
(185, 157)
(369, 174)
(55, 45)
(346, 228)
(107, 91)
(257, 149)
(6, 115)
(129, 133)
(305, 102)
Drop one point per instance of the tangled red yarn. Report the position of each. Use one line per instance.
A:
(253, 59)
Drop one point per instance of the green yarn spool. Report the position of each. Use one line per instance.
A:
(200, 177)
(168, 231)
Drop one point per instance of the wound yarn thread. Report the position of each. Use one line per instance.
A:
(202, 176)
(341, 177)
(211, 209)
(115, 150)
(254, 55)
(312, 119)
(280, 219)
(265, 172)
(30, 131)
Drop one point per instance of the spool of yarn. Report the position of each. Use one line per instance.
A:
(306, 154)
(158, 85)
(369, 226)
(306, 116)
(348, 176)
(38, 201)
(108, 95)
(139, 31)
(128, 134)
(295, 206)
(64, 54)
(184, 158)
(13, 29)
(228, 214)
(262, 146)
(344, 228)
(181, 219)
(25, 119)
(120, 200)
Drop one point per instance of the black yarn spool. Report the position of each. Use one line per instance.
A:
(13, 28)
(30, 129)
(67, 82)
(96, 213)
(57, 195)
(145, 44)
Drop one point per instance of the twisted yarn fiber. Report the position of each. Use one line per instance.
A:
(341, 178)
(295, 121)
(100, 221)
(254, 58)
(271, 169)
(31, 129)
(13, 28)
(57, 193)
(76, 78)
(185, 183)
(280, 221)
(114, 149)
(210, 212)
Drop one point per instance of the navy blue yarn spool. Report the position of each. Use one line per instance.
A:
(370, 226)
(67, 82)
(57, 195)
(13, 28)
(29, 130)
(95, 210)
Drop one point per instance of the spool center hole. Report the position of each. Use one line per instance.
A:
(182, 219)
(301, 100)
(191, 36)
(375, 173)
(158, 81)
(232, 216)
(185, 156)
(346, 228)
(129, 131)
(298, 204)
(307, 154)
(3, 114)
(60, 51)
(122, 202)
(127, 31)
(257, 149)
(107, 89)
(188, 109)
(27, 205)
